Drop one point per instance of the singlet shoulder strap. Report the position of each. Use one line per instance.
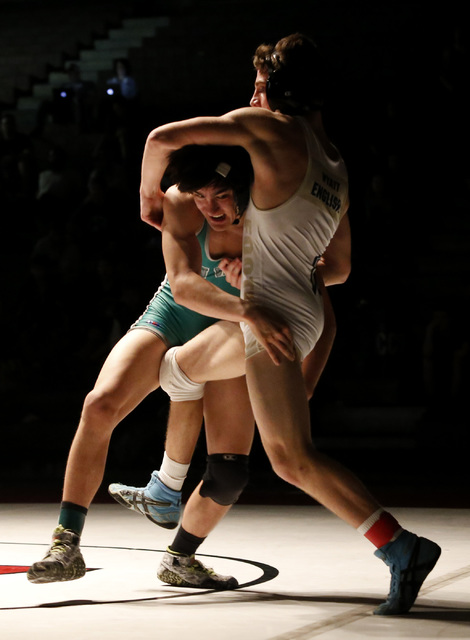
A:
(310, 137)
(202, 233)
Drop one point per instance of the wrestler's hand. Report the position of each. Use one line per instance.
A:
(271, 331)
(232, 270)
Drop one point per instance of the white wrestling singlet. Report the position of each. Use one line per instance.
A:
(281, 247)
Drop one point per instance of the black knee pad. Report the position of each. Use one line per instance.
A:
(225, 477)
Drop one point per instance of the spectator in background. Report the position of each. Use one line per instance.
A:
(78, 96)
(122, 82)
(118, 118)
(58, 179)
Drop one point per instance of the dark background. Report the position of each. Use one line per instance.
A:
(78, 269)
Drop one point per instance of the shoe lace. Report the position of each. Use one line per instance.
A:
(60, 545)
(395, 582)
(196, 565)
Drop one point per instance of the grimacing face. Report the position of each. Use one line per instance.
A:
(217, 205)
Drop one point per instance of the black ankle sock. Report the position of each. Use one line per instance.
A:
(185, 542)
(72, 516)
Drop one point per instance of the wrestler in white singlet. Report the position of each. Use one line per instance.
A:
(281, 247)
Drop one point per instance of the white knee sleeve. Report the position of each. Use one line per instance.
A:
(176, 383)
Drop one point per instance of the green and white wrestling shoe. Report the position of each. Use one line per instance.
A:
(62, 562)
(185, 571)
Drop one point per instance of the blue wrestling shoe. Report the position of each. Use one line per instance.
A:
(410, 560)
(156, 501)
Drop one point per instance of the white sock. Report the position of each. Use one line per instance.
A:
(172, 473)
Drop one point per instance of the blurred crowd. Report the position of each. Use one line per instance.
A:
(78, 265)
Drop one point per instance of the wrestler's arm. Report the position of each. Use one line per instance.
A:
(183, 261)
(243, 127)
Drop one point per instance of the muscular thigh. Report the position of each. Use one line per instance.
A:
(131, 369)
(217, 353)
(279, 402)
(228, 417)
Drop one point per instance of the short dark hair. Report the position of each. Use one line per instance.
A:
(196, 166)
(296, 73)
